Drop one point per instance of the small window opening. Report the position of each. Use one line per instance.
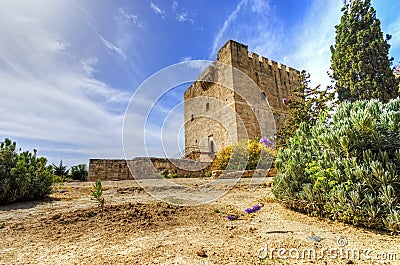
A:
(212, 147)
(263, 96)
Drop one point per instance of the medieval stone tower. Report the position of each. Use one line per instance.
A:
(216, 114)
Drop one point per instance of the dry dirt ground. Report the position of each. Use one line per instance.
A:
(135, 228)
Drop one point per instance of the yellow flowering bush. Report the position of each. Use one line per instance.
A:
(245, 155)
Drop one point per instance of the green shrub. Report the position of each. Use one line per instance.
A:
(79, 172)
(251, 154)
(58, 182)
(23, 176)
(346, 168)
(97, 194)
(172, 175)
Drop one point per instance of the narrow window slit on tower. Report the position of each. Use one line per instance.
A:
(212, 147)
(263, 96)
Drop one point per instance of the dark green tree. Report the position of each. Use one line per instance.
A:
(60, 170)
(23, 175)
(361, 68)
(79, 172)
(306, 106)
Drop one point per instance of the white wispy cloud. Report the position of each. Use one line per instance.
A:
(49, 95)
(185, 59)
(158, 11)
(260, 6)
(58, 45)
(227, 23)
(313, 43)
(302, 46)
(181, 14)
(107, 43)
(112, 47)
(184, 17)
(264, 36)
(174, 6)
(128, 18)
(88, 65)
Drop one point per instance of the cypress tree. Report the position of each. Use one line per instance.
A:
(361, 68)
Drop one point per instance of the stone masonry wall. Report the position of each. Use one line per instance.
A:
(107, 169)
(117, 169)
(209, 116)
(218, 113)
(274, 79)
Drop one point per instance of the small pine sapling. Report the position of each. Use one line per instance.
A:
(97, 193)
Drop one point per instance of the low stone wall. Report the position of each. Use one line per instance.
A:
(244, 173)
(107, 169)
(143, 168)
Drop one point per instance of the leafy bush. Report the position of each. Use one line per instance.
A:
(251, 154)
(23, 176)
(79, 172)
(58, 182)
(169, 175)
(173, 175)
(346, 168)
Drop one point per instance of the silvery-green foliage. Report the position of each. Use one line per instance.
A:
(346, 167)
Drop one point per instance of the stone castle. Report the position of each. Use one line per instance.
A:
(218, 111)
(217, 116)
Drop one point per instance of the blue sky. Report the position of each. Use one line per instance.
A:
(68, 68)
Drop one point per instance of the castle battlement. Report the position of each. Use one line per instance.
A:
(239, 48)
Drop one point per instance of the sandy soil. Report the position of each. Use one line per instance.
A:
(136, 228)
